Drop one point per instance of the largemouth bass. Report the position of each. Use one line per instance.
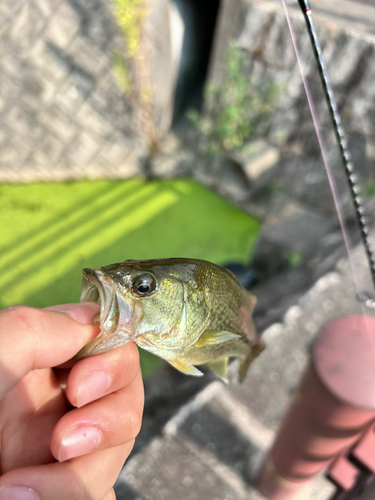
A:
(187, 311)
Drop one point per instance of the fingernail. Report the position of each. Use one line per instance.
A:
(9, 492)
(94, 386)
(78, 441)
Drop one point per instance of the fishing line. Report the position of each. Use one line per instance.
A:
(344, 153)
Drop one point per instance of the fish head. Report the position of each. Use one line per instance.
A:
(116, 310)
(144, 301)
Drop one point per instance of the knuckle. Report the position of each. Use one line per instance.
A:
(30, 329)
(24, 318)
(17, 313)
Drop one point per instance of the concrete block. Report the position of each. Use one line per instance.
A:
(231, 180)
(88, 57)
(117, 150)
(36, 91)
(11, 66)
(71, 95)
(83, 149)
(15, 150)
(259, 160)
(25, 120)
(177, 164)
(94, 120)
(63, 26)
(59, 122)
(97, 23)
(48, 61)
(26, 26)
(45, 7)
(8, 92)
(49, 151)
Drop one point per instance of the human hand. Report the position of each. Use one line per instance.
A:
(46, 451)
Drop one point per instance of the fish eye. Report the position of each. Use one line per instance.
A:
(144, 284)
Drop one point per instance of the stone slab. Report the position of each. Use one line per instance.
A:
(171, 470)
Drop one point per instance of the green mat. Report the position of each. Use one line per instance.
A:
(49, 231)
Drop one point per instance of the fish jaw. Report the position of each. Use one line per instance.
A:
(116, 313)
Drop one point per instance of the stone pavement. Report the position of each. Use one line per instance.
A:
(212, 446)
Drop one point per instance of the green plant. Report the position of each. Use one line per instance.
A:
(236, 109)
(122, 72)
(275, 188)
(369, 188)
(130, 15)
(293, 257)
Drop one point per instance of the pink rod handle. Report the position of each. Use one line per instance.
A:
(330, 409)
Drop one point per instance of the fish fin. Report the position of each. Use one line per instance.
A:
(220, 366)
(184, 368)
(212, 338)
(255, 351)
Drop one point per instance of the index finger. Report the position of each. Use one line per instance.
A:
(39, 338)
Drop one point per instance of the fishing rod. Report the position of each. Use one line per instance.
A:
(354, 188)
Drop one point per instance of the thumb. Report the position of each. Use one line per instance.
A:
(41, 338)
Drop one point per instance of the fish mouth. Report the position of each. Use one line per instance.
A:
(116, 312)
